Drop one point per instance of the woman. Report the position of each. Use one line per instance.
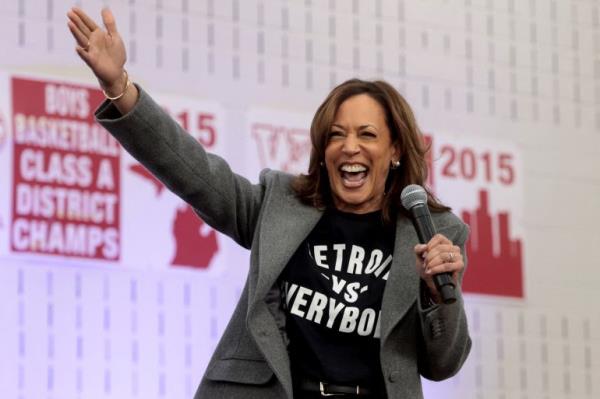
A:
(333, 303)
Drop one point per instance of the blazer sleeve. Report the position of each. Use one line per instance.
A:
(226, 201)
(444, 341)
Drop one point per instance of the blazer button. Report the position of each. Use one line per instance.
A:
(394, 376)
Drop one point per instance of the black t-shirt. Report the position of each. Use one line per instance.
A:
(332, 290)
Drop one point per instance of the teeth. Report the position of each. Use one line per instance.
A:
(353, 168)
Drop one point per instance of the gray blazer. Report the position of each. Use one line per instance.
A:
(251, 360)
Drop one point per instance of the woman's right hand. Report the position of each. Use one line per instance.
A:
(102, 50)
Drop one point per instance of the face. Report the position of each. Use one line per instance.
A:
(358, 155)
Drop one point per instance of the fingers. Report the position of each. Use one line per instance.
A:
(89, 23)
(443, 254)
(441, 247)
(77, 23)
(439, 255)
(420, 249)
(109, 21)
(438, 252)
(82, 39)
(443, 268)
(443, 258)
(437, 240)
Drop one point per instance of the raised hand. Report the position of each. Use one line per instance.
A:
(102, 50)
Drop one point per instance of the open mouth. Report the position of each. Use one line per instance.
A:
(353, 175)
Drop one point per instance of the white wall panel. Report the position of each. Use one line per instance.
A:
(502, 72)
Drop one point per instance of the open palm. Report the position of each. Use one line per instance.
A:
(102, 50)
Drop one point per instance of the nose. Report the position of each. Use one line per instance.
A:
(351, 145)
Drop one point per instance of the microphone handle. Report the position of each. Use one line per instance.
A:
(425, 231)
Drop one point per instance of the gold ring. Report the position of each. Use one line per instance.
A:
(451, 255)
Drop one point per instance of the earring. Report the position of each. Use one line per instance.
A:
(395, 165)
(322, 163)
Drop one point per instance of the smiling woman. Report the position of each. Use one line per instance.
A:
(360, 136)
(359, 154)
(339, 298)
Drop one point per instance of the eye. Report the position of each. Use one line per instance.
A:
(335, 134)
(368, 134)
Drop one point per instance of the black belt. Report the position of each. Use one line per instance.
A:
(327, 389)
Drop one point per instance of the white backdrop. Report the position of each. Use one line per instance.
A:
(507, 91)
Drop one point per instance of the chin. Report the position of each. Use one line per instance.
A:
(356, 202)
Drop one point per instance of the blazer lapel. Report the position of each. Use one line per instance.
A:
(402, 287)
(281, 232)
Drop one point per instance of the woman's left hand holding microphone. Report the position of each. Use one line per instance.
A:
(439, 255)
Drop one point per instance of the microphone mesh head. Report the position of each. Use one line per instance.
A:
(412, 195)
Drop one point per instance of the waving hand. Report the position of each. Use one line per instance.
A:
(103, 51)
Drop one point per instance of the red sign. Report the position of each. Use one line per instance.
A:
(490, 273)
(195, 242)
(472, 174)
(66, 182)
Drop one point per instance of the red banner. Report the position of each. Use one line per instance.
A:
(470, 175)
(66, 180)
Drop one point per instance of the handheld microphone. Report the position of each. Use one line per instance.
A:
(414, 200)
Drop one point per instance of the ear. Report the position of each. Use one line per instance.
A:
(396, 153)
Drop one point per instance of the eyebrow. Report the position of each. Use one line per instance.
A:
(360, 127)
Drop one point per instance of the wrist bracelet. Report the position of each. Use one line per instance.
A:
(124, 90)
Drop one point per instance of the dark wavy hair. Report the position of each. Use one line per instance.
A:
(314, 188)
